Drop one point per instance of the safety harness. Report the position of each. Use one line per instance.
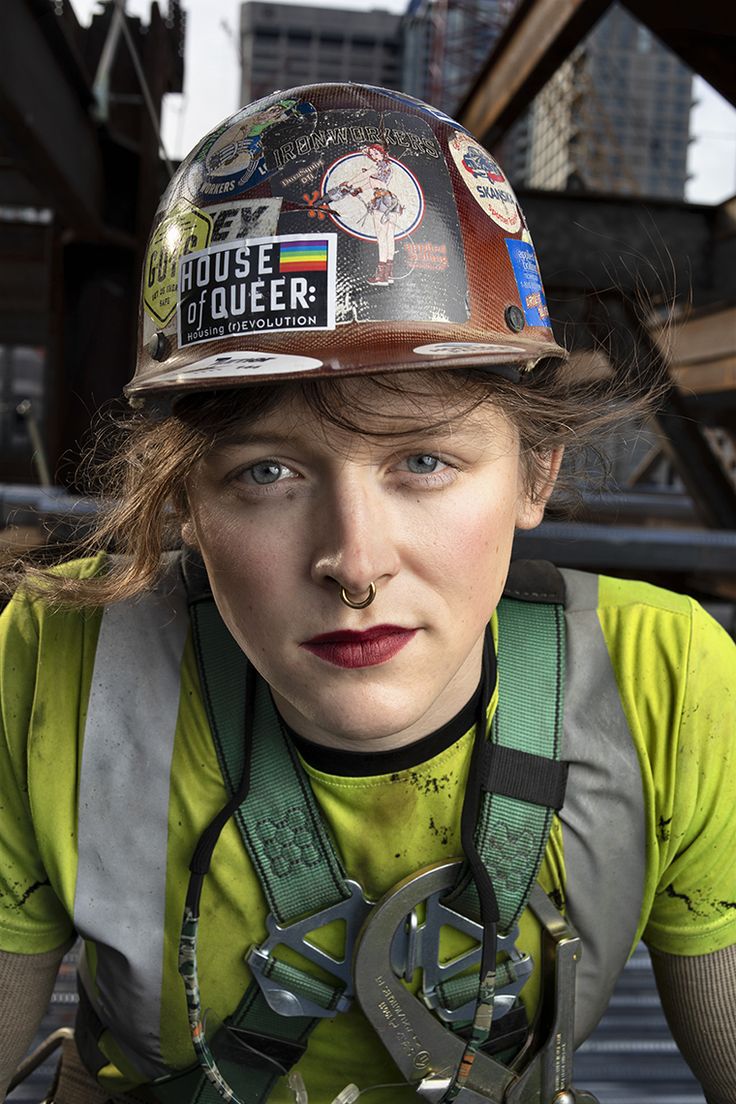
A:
(521, 782)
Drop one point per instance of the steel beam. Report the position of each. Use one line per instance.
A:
(537, 39)
(620, 506)
(702, 34)
(661, 245)
(542, 33)
(629, 548)
(53, 136)
(643, 364)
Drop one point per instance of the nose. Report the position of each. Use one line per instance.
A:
(356, 539)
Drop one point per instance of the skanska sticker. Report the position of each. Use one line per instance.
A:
(485, 180)
(257, 286)
(529, 282)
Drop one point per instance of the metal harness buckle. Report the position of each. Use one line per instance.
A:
(284, 1000)
(416, 945)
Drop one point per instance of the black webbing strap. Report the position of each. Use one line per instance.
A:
(523, 776)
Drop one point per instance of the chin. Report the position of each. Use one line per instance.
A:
(366, 717)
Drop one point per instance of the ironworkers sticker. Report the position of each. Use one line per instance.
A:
(485, 181)
(257, 286)
(385, 187)
(529, 282)
(230, 160)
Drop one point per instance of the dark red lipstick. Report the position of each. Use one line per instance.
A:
(348, 648)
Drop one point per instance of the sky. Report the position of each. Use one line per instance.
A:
(212, 86)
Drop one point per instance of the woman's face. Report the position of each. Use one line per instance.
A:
(289, 509)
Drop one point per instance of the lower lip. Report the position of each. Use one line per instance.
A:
(361, 653)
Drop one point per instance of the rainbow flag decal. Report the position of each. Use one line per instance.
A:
(256, 285)
(303, 255)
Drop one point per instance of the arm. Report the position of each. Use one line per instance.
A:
(26, 982)
(691, 929)
(698, 995)
(35, 930)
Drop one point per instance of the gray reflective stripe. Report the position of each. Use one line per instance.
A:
(602, 819)
(123, 814)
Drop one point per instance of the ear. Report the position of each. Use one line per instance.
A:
(530, 509)
(189, 534)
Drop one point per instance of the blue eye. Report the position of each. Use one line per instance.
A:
(268, 471)
(423, 465)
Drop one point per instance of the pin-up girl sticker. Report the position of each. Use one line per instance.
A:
(372, 196)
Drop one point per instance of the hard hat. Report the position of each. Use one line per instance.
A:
(336, 228)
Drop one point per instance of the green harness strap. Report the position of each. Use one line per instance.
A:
(288, 843)
(512, 829)
(280, 821)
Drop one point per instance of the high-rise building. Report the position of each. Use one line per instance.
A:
(614, 118)
(284, 45)
(445, 43)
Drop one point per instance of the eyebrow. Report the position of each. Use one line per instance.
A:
(237, 439)
(275, 439)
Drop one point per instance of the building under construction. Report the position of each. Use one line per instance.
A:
(613, 118)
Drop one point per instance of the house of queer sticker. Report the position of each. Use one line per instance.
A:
(257, 286)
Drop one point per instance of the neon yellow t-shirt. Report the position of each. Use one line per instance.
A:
(673, 666)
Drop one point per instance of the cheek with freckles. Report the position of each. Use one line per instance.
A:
(468, 554)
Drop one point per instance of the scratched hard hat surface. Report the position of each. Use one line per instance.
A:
(337, 228)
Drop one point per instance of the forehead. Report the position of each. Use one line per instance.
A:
(400, 405)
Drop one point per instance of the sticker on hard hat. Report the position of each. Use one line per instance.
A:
(465, 348)
(240, 364)
(245, 218)
(185, 229)
(385, 186)
(412, 101)
(261, 285)
(485, 181)
(230, 160)
(529, 282)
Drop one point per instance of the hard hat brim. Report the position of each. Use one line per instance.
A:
(244, 367)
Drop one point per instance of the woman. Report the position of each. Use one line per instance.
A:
(217, 760)
(382, 204)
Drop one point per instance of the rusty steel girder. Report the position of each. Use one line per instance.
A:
(542, 33)
(537, 39)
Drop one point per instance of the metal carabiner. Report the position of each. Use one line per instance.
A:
(427, 1053)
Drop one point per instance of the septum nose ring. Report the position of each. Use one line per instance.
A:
(358, 603)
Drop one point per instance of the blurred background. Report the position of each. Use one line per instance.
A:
(616, 125)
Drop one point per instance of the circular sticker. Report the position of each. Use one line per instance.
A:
(485, 180)
(464, 348)
(229, 162)
(372, 196)
(241, 364)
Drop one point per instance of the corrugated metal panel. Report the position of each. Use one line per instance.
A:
(631, 1058)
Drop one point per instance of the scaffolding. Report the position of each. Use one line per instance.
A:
(462, 35)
